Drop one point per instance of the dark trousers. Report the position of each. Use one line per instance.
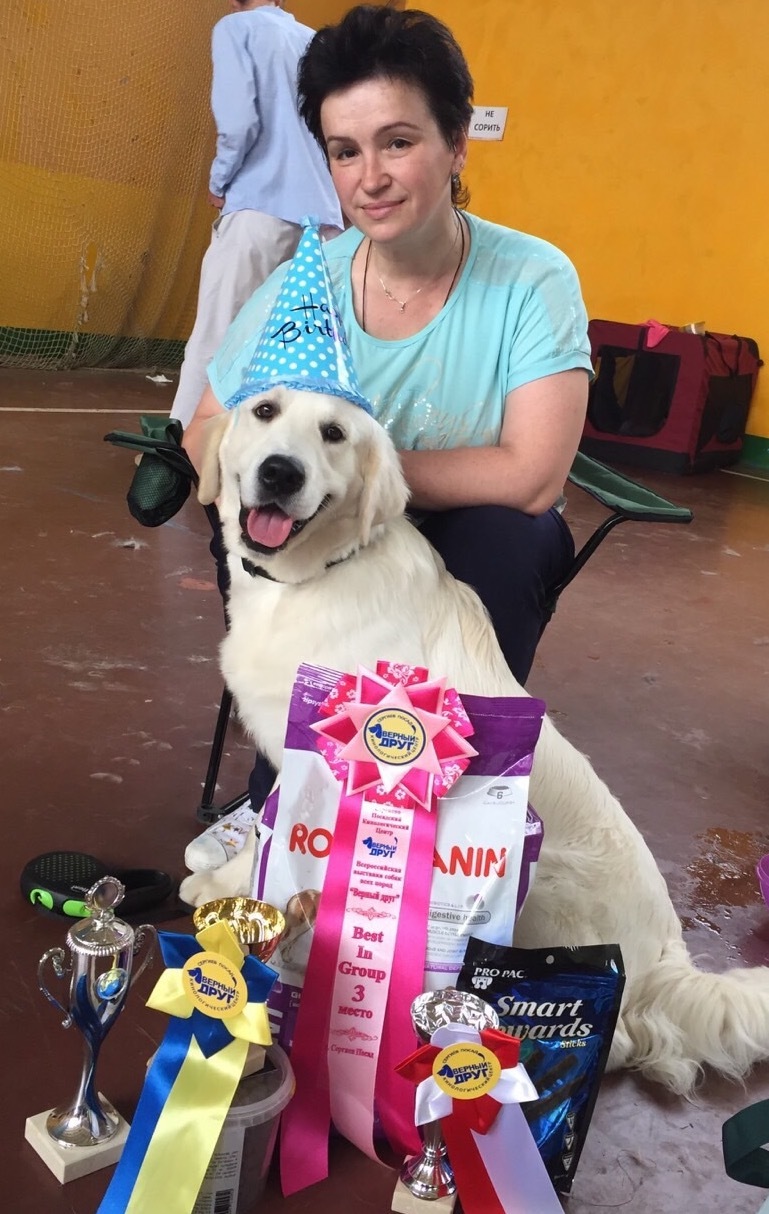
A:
(512, 560)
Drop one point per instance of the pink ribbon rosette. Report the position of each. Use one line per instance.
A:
(473, 1083)
(396, 741)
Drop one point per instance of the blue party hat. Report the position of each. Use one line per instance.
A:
(303, 343)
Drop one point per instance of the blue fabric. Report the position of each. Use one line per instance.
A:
(162, 1075)
(266, 159)
(515, 316)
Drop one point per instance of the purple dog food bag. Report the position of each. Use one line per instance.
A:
(486, 848)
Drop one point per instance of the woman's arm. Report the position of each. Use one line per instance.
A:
(540, 434)
(193, 436)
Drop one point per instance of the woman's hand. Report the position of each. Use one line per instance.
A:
(193, 436)
(540, 434)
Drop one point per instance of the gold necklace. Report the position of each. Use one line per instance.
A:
(400, 302)
(403, 303)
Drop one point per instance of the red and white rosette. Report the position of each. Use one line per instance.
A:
(396, 741)
(473, 1083)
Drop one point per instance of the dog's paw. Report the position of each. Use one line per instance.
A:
(231, 880)
(207, 886)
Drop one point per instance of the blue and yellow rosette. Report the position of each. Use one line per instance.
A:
(216, 999)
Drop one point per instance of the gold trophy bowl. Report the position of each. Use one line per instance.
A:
(258, 928)
(257, 925)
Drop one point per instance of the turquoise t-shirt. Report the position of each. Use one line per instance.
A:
(515, 315)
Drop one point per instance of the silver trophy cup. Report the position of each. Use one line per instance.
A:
(101, 955)
(428, 1175)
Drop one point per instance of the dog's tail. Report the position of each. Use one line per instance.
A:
(678, 1019)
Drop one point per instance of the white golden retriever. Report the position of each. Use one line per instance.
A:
(310, 491)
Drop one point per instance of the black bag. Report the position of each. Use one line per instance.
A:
(164, 475)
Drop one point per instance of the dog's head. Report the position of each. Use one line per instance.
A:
(302, 479)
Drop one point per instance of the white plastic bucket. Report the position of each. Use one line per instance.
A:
(237, 1173)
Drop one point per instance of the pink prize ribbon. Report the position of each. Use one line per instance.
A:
(396, 741)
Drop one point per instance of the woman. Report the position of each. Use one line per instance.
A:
(470, 339)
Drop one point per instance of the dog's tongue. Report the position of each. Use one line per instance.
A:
(269, 526)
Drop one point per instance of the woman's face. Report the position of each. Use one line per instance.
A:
(389, 160)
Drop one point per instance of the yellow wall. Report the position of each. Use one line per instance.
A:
(318, 12)
(637, 142)
(101, 164)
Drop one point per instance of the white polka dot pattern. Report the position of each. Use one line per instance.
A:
(303, 344)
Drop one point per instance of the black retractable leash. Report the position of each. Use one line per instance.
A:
(57, 882)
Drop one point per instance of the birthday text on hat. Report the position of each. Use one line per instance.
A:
(318, 319)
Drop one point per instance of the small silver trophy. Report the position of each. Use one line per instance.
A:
(102, 949)
(428, 1175)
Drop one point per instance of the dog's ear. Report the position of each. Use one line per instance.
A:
(385, 492)
(210, 482)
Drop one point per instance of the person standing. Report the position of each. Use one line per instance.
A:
(268, 174)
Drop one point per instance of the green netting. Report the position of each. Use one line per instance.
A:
(105, 144)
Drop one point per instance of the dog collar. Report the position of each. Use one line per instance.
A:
(257, 570)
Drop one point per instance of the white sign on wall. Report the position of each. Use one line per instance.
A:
(488, 121)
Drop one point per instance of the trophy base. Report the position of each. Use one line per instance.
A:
(404, 1202)
(69, 1163)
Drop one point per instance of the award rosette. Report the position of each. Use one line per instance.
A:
(473, 1084)
(215, 997)
(397, 741)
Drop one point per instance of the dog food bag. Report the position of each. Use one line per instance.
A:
(563, 1004)
(486, 847)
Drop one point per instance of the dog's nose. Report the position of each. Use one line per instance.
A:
(281, 475)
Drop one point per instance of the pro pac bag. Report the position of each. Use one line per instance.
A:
(562, 1004)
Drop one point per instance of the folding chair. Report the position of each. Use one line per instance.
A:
(158, 490)
(627, 501)
(162, 482)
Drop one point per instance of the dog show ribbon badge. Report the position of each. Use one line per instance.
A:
(215, 997)
(396, 735)
(396, 741)
(473, 1083)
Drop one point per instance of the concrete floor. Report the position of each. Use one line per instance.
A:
(655, 665)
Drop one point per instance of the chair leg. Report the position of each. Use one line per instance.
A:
(207, 812)
(213, 814)
(580, 560)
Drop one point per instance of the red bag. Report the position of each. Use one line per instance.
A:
(679, 404)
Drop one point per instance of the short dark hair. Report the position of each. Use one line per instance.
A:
(376, 41)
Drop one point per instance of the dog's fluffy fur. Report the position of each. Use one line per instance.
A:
(357, 583)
